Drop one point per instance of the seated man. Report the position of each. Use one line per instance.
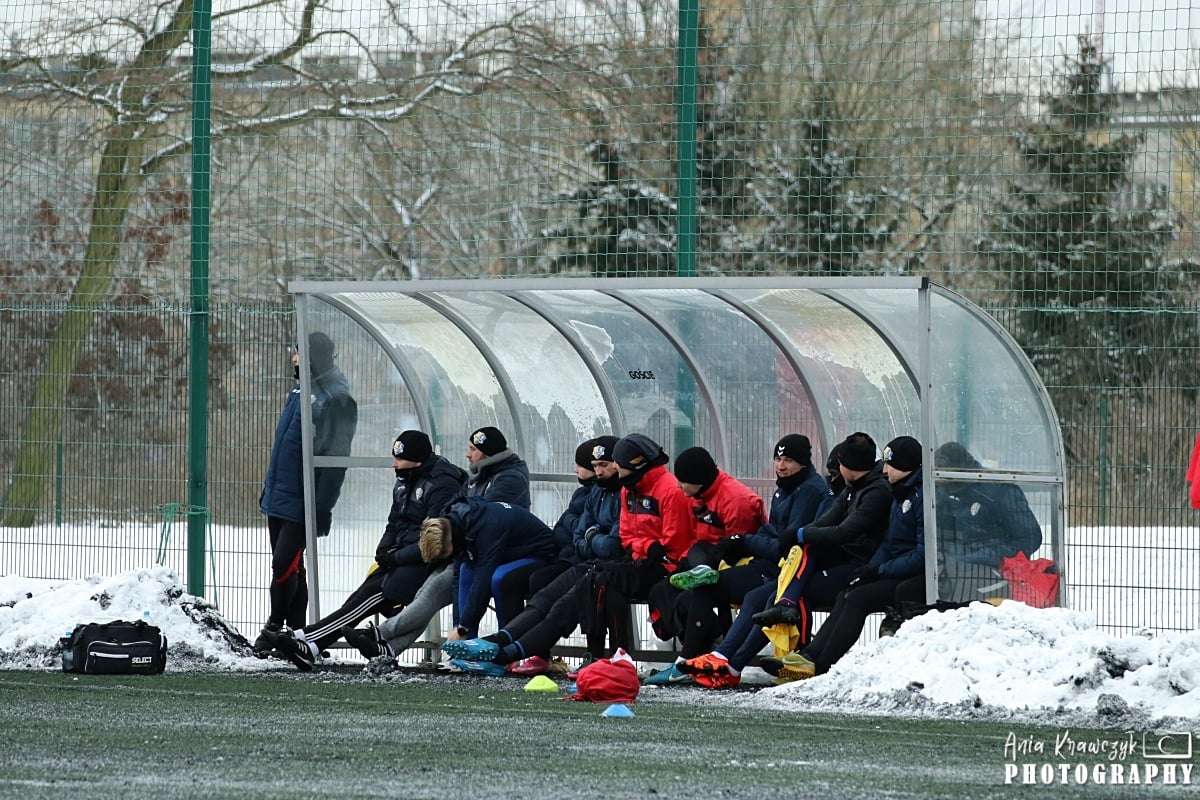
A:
(660, 535)
(425, 485)
(894, 575)
(482, 536)
(750, 561)
(724, 508)
(979, 525)
(497, 473)
(826, 552)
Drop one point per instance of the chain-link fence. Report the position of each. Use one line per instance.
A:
(1042, 165)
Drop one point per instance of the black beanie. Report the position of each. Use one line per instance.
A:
(583, 454)
(903, 453)
(489, 440)
(695, 465)
(857, 452)
(796, 447)
(412, 446)
(320, 353)
(602, 448)
(638, 452)
(834, 461)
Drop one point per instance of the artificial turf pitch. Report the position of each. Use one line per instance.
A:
(334, 734)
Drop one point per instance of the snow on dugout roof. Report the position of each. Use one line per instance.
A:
(727, 364)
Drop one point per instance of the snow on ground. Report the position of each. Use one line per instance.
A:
(1006, 662)
(1010, 661)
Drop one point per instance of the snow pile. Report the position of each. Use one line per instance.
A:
(35, 614)
(1009, 660)
(982, 661)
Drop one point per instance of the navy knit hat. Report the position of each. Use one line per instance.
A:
(638, 452)
(602, 448)
(412, 446)
(489, 440)
(696, 466)
(903, 453)
(857, 452)
(795, 446)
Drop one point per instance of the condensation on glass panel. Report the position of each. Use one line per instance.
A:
(546, 371)
(458, 387)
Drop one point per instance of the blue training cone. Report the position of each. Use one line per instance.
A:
(617, 710)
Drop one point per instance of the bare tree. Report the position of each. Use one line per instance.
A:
(138, 96)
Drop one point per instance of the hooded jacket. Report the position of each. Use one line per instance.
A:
(653, 510)
(486, 535)
(501, 478)
(335, 418)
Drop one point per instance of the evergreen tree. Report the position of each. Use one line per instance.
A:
(1080, 248)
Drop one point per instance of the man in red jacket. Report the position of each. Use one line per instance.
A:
(722, 506)
(657, 529)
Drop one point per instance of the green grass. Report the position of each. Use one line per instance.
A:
(333, 733)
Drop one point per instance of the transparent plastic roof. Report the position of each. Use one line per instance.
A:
(729, 364)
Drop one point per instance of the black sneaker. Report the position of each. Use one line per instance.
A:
(771, 665)
(365, 640)
(785, 613)
(296, 651)
(267, 640)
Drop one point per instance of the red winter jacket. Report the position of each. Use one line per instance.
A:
(656, 510)
(727, 508)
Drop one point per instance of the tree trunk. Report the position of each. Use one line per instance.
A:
(116, 182)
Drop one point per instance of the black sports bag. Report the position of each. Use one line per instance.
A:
(115, 648)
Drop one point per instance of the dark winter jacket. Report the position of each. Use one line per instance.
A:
(852, 529)
(568, 521)
(424, 491)
(983, 523)
(487, 535)
(502, 478)
(901, 554)
(793, 505)
(335, 417)
(602, 510)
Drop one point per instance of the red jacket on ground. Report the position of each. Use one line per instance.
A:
(656, 510)
(727, 508)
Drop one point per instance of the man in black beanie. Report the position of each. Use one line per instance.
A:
(894, 575)
(334, 420)
(425, 485)
(497, 473)
(820, 559)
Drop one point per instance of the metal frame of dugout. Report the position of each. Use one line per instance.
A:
(730, 364)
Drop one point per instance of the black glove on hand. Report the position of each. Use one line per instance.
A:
(385, 558)
(590, 534)
(864, 574)
(324, 522)
(787, 540)
(656, 553)
(731, 549)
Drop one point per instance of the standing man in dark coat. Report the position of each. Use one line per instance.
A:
(334, 419)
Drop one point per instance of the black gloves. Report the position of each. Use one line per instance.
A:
(787, 540)
(590, 534)
(864, 574)
(385, 558)
(731, 549)
(324, 522)
(656, 553)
